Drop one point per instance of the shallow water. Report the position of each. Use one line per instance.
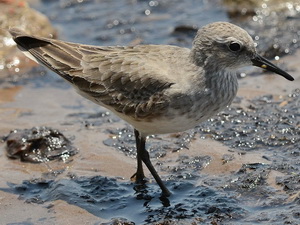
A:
(124, 22)
(241, 166)
(275, 26)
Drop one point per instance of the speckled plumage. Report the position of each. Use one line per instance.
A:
(155, 88)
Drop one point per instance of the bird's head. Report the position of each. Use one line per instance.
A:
(225, 46)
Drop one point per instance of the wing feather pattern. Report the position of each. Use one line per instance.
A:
(116, 77)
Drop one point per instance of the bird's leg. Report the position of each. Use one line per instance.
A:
(144, 156)
(139, 175)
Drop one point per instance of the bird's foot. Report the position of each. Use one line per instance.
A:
(138, 178)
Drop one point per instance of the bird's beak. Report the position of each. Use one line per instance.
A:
(261, 62)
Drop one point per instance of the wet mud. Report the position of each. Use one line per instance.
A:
(240, 167)
(102, 196)
(267, 123)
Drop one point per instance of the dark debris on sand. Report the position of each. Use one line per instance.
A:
(38, 144)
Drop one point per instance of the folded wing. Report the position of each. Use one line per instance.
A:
(119, 78)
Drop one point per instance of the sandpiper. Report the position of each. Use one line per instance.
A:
(155, 88)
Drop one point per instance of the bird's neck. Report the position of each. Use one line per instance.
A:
(221, 84)
(220, 81)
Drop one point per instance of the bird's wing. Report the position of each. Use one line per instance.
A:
(123, 78)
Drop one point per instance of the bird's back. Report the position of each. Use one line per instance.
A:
(129, 80)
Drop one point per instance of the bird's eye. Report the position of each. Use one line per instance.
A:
(235, 47)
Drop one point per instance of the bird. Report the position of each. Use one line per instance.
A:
(158, 89)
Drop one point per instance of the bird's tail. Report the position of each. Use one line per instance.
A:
(58, 56)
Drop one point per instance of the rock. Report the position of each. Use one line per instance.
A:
(17, 13)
